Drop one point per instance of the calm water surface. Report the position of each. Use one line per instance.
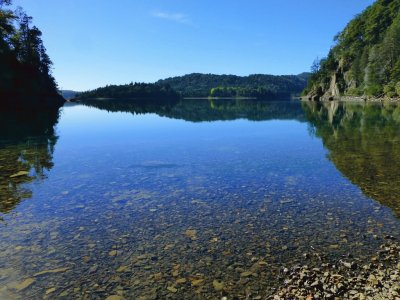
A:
(197, 200)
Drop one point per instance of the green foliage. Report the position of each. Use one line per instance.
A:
(390, 90)
(375, 90)
(355, 92)
(366, 55)
(245, 92)
(25, 67)
(201, 85)
(132, 91)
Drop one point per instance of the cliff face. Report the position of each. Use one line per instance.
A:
(365, 60)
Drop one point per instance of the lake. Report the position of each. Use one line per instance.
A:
(192, 200)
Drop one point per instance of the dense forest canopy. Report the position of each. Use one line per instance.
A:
(132, 91)
(258, 85)
(252, 92)
(25, 67)
(365, 59)
(206, 85)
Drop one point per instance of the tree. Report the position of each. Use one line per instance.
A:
(366, 55)
(6, 26)
(316, 66)
(25, 67)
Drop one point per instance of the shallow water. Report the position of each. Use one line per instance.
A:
(194, 200)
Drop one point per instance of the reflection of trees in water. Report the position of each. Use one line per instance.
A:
(198, 110)
(27, 143)
(364, 144)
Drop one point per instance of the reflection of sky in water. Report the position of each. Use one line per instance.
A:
(252, 191)
(86, 125)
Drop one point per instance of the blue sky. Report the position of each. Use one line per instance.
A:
(97, 42)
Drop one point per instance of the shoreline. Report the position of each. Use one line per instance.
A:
(345, 279)
(356, 99)
(219, 98)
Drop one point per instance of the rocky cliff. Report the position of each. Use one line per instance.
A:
(365, 60)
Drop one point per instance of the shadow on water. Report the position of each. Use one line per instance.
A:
(201, 110)
(364, 144)
(27, 142)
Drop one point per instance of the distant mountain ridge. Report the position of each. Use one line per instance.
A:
(365, 60)
(69, 94)
(200, 85)
(194, 85)
(149, 91)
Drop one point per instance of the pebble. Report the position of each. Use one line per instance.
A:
(347, 280)
(114, 297)
(24, 284)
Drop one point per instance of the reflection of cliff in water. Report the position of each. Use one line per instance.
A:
(199, 110)
(364, 144)
(27, 143)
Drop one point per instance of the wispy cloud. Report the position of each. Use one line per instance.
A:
(175, 17)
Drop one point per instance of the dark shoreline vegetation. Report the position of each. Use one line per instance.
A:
(365, 61)
(26, 82)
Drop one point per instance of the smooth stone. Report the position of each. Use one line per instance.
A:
(50, 290)
(24, 284)
(114, 297)
(122, 269)
(59, 270)
(172, 289)
(218, 285)
(246, 274)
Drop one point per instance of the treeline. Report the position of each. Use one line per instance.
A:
(132, 91)
(202, 85)
(25, 67)
(366, 57)
(246, 92)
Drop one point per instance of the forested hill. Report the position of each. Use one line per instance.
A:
(68, 94)
(132, 91)
(25, 67)
(365, 59)
(258, 85)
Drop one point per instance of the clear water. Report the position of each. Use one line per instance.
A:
(197, 200)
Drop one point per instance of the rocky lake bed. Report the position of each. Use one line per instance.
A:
(281, 206)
